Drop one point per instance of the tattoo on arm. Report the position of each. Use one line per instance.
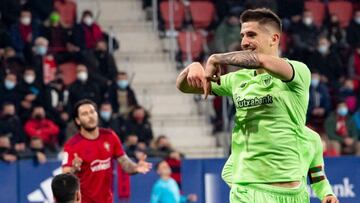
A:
(245, 59)
(127, 164)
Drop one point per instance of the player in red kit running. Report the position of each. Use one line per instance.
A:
(89, 154)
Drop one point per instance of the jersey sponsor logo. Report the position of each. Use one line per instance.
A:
(256, 101)
(99, 165)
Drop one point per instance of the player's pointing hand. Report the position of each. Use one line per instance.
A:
(76, 163)
(212, 73)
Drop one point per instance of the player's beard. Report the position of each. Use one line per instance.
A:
(89, 129)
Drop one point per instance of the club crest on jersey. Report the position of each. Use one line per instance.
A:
(266, 80)
(107, 146)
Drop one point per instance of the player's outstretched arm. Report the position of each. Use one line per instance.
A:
(131, 167)
(275, 66)
(191, 79)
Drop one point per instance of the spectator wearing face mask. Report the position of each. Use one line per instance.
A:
(11, 63)
(341, 129)
(24, 33)
(84, 87)
(319, 103)
(108, 119)
(56, 34)
(10, 124)
(335, 33)
(9, 90)
(43, 62)
(227, 33)
(347, 94)
(106, 65)
(87, 33)
(353, 30)
(40, 126)
(36, 151)
(139, 125)
(31, 88)
(304, 35)
(121, 95)
(328, 62)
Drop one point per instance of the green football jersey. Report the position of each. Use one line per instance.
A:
(312, 151)
(269, 121)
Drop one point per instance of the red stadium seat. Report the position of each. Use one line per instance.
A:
(179, 14)
(318, 11)
(343, 10)
(202, 13)
(195, 41)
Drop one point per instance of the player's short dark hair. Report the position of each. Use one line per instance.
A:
(79, 104)
(64, 187)
(262, 16)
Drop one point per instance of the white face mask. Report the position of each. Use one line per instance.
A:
(88, 20)
(357, 20)
(323, 49)
(29, 79)
(82, 76)
(25, 20)
(308, 20)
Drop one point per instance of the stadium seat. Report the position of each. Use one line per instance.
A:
(318, 11)
(196, 44)
(343, 10)
(68, 71)
(179, 14)
(202, 13)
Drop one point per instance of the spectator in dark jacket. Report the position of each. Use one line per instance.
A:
(24, 33)
(304, 36)
(9, 91)
(353, 30)
(40, 126)
(87, 33)
(12, 63)
(56, 34)
(84, 87)
(7, 153)
(10, 124)
(5, 40)
(110, 120)
(139, 125)
(106, 65)
(328, 62)
(335, 33)
(10, 10)
(341, 129)
(319, 103)
(41, 9)
(121, 95)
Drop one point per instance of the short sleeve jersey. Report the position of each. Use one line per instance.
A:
(96, 169)
(269, 120)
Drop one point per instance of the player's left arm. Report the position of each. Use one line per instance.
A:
(319, 183)
(275, 66)
(131, 167)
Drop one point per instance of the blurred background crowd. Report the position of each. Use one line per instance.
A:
(51, 56)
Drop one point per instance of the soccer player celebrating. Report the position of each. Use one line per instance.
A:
(314, 165)
(89, 155)
(271, 96)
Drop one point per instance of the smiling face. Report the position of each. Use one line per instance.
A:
(261, 38)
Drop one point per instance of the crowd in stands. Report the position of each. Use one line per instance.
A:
(324, 34)
(48, 62)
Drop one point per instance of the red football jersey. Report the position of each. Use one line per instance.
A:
(96, 169)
